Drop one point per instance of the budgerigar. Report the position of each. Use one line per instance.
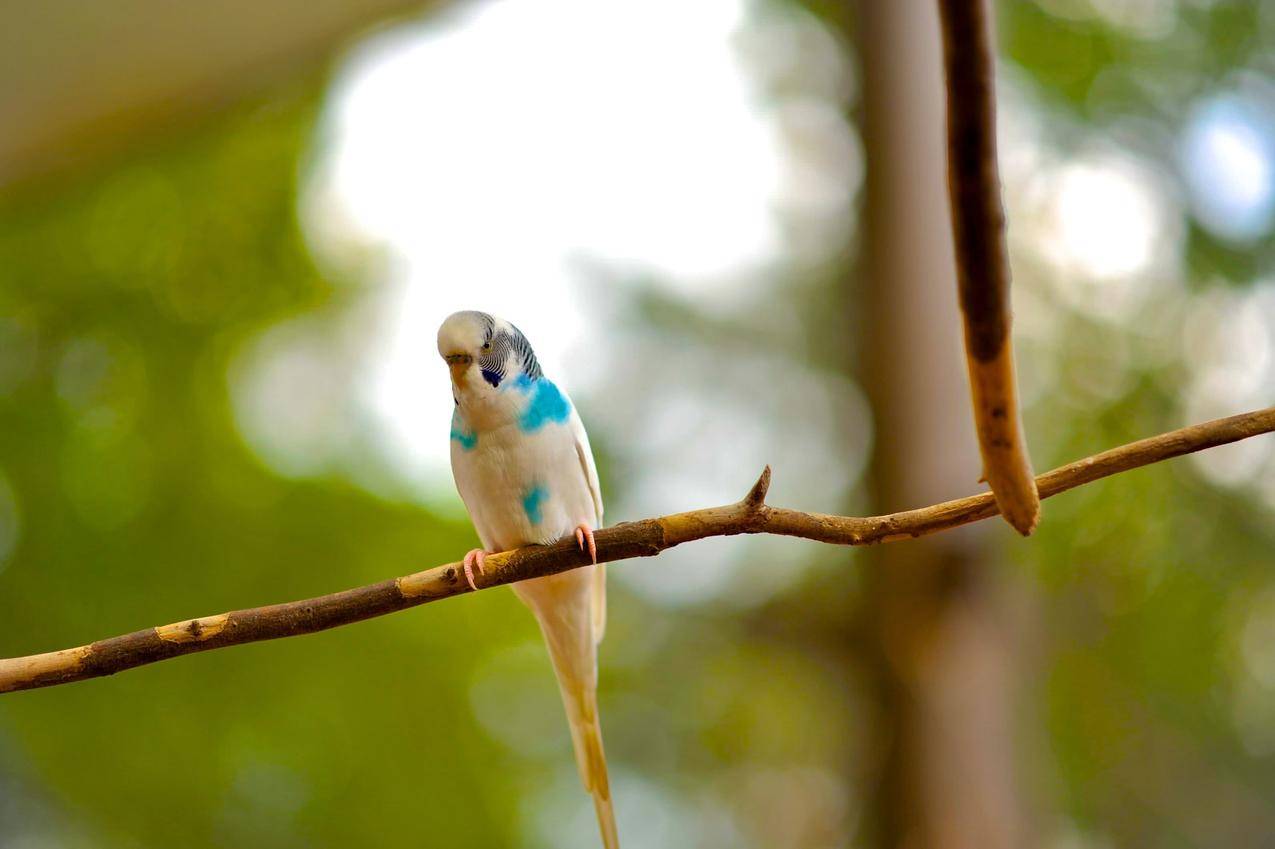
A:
(523, 466)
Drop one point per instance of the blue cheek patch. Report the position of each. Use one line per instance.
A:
(467, 438)
(492, 377)
(547, 404)
(532, 501)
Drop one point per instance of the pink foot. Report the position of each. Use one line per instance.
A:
(475, 557)
(583, 533)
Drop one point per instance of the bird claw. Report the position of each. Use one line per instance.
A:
(583, 533)
(477, 557)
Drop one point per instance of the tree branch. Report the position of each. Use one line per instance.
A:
(982, 259)
(645, 538)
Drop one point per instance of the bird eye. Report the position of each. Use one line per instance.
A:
(486, 346)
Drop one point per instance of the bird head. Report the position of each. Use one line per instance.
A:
(483, 352)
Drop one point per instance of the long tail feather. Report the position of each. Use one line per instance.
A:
(599, 603)
(565, 607)
(586, 735)
(606, 821)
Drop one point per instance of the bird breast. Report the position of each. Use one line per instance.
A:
(521, 487)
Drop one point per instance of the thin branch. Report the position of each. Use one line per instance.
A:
(645, 538)
(982, 259)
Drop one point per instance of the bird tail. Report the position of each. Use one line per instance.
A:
(586, 736)
(564, 605)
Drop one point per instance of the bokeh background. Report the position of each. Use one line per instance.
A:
(228, 233)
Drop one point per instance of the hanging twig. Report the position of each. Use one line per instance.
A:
(630, 539)
(982, 260)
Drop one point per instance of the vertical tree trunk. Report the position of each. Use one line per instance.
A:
(941, 649)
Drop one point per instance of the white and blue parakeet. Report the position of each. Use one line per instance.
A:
(524, 469)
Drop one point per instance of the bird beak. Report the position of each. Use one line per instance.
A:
(458, 364)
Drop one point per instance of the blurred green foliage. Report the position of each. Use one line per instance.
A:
(124, 299)
(127, 296)
(1140, 86)
(1151, 585)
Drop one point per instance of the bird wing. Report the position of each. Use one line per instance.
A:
(585, 454)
